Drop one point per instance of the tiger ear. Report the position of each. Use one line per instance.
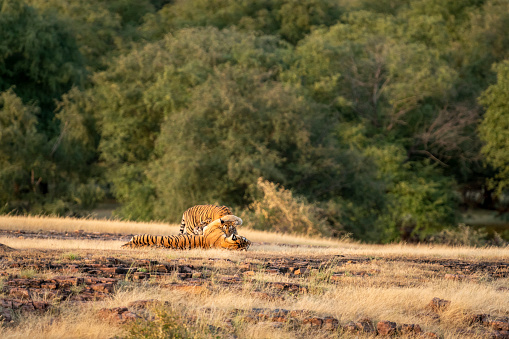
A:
(222, 221)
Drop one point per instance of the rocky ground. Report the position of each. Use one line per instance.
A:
(35, 281)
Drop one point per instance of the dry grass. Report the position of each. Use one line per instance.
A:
(270, 242)
(88, 225)
(389, 290)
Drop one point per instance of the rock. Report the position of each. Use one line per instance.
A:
(501, 324)
(279, 315)
(313, 322)
(102, 287)
(6, 249)
(330, 323)
(410, 329)
(500, 335)
(50, 285)
(438, 305)
(300, 271)
(298, 313)
(386, 327)
(229, 279)
(141, 276)
(191, 289)
(19, 292)
(477, 318)
(40, 305)
(185, 269)
(365, 325)
(351, 327)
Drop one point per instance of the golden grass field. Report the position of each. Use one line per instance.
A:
(353, 281)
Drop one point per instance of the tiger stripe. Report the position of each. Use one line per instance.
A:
(196, 217)
(218, 234)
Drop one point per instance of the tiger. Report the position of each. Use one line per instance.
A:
(197, 217)
(218, 234)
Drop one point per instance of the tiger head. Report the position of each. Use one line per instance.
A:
(229, 224)
(222, 233)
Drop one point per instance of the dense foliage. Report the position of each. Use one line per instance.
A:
(372, 116)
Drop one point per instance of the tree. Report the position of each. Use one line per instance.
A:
(290, 19)
(494, 128)
(23, 166)
(140, 90)
(239, 126)
(39, 57)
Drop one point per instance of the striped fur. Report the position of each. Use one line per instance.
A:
(217, 234)
(197, 217)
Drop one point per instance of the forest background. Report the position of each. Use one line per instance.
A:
(382, 119)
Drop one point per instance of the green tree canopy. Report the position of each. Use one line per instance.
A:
(38, 56)
(494, 129)
(290, 19)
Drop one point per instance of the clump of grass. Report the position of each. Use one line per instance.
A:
(167, 323)
(70, 256)
(27, 273)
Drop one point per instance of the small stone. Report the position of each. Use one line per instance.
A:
(499, 324)
(197, 275)
(40, 305)
(410, 329)
(105, 288)
(386, 327)
(313, 322)
(300, 271)
(365, 325)
(298, 313)
(5, 316)
(477, 318)
(330, 323)
(500, 334)
(19, 292)
(185, 269)
(141, 276)
(50, 285)
(228, 279)
(351, 327)
(437, 304)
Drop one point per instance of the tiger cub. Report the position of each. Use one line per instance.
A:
(197, 217)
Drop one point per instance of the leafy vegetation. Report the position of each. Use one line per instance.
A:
(379, 118)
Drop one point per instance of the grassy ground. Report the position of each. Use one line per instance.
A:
(391, 282)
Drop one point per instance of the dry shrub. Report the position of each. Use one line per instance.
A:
(280, 210)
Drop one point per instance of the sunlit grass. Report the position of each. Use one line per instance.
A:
(265, 243)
